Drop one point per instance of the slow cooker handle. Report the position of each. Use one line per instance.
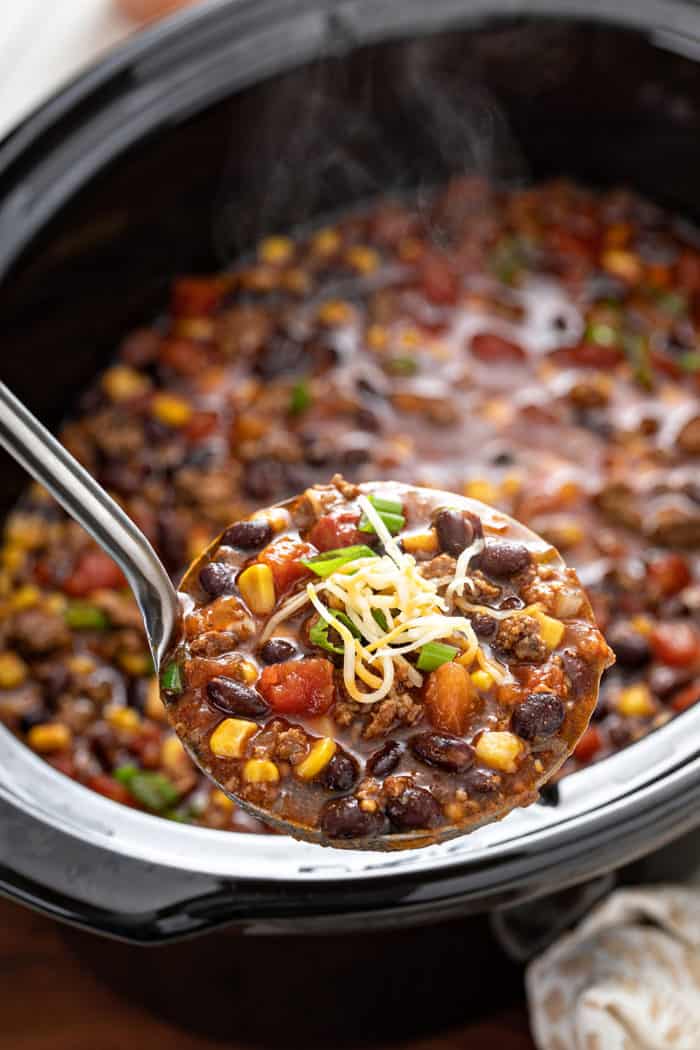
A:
(49, 463)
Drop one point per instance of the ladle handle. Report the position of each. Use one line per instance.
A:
(48, 462)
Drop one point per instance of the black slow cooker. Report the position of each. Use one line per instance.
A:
(174, 154)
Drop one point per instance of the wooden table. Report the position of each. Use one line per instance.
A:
(61, 989)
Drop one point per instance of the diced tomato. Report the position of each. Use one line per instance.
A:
(593, 355)
(438, 281)
(336, 530)
(284, 558)
(668, 574)
(201, 425)
(110, 788)
(685, 698)
(589, 744)
(64, 763)
(184, 357)
(93, 570)
(196, 296)
(489, 347)
(676, 643)
(298, 687)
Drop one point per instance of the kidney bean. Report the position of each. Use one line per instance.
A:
(277, 650)
(248, 535)
(481, 782)
(446, 752)
(632, 650)
(235, 698)
(217, 578)
(502, 558)
(578, 672)
(342, 818)
(341, 772)
(385, 759)
(415, 808)
(484, 625)
(265, 478)
(540, 715)
(456, 530)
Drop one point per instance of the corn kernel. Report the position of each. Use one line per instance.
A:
(622, 264)
(231, 736)
(636, 702)
(257, 587)
(325, 242)
(482, 490)
(642, 625)
(55, 603)
(499, 750)
(511, 485)
(81, 665)
(420, 542)
(25, 597)
(317, 759)
(52, 736)
(13, 557)
(277, 517)
(275, 250)
(247, 671)
(172, 410)
(154, 707)
(13, 670)
(410, 339)
(335, 312)
(26, 531)
(136, 663)
(551, 630)
(222, 801)
(482, 680)
(362, 259)
(173, 755)
(124, 718)
(198, 329)
(377, 337)
(260, 771)
(122, 383)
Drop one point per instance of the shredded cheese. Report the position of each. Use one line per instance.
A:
(462, 566)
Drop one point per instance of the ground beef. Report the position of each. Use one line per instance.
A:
(481, 587)
(397, 708)
(442, 565)
(291, 745)
(520, 636)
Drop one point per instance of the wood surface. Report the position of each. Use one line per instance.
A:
(423, 989)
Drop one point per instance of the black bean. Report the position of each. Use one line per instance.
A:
(265, 478)
(281, 356)
(341, 773)
(415, 808)
(481, 782)
(217, 578)
(485, 626)
(540, 715)
(277, 650)
(631, 649)
(455, 531)
(34, 717)
(248, 534)
(446, 752)
(580, 674)
(235, 698)
(512, 601)
(385, 760)
(503, 558)
(342, 818)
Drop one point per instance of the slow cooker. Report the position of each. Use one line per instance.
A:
(173, 155)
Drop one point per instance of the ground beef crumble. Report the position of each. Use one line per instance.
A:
(520, 636)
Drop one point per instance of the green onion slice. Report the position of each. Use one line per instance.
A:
(318, 635)
(300, 398)
(389, 510)
(171, 678)
(690, 361)
(434, 654)
(85, 616)
(153, 790)
(330, 561)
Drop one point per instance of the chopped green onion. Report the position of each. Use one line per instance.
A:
(330, 561)
(690, 362)
(393, 522)
(171, 678)
(380, 618)
(153, 790)
(318, 635)
(86, 616)
(434, 654)
(402, 365)
(383, 505)
(300, 398)
(601, 334)
(637, 350)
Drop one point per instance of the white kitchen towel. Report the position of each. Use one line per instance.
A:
(627, 978)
